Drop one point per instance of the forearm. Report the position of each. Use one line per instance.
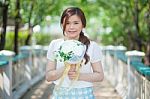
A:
(91, 77)
(52, 75)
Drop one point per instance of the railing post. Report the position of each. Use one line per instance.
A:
(118, 68)
(45, 49)
(27, 50)
(103, 48)
(132, 56)
(110, 50)
(7, 74)
(37, 60)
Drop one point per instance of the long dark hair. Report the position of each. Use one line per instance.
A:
(64, 18)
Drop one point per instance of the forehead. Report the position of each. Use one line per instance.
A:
(74, 18)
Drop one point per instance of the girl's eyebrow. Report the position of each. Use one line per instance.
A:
(74, 21)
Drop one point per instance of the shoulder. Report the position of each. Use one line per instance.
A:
(93, 44)
(56, 41)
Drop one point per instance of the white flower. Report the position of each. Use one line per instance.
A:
(71, 51)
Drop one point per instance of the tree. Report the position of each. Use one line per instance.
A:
(34, 12)
(4, 5)
(17, 22)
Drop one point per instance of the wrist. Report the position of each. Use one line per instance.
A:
(80, 76)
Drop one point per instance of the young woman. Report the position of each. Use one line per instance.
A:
(73, 21)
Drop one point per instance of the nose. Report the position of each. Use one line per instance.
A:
(71, 25)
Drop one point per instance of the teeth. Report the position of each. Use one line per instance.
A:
(72, 32)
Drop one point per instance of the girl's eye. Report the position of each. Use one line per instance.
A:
(76, 23)
(67, 23)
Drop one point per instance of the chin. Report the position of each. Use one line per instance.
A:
(72, 37)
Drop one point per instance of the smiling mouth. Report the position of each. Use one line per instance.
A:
(72, 32)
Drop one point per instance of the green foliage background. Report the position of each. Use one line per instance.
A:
(117, 14)
(41, 39)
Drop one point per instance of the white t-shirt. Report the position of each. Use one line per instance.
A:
(94, 53)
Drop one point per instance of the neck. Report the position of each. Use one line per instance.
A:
(66, 38)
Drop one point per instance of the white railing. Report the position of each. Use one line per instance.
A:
(124, 73)
(127, 73)
(21, 72)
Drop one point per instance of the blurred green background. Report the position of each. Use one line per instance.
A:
(115, 22)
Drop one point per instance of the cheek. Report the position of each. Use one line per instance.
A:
(80, 29)
(66, 28)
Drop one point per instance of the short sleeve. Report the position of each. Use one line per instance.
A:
(50, 52)
(96, 53)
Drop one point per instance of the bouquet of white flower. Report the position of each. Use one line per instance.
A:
(70, 52)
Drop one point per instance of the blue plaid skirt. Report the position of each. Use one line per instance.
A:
(74, 93)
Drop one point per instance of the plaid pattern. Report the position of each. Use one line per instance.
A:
(74, 93)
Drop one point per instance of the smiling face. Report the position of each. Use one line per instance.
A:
(73, 27)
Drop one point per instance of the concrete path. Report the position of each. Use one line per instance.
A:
(42, 90)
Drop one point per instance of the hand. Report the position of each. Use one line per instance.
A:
(73, 67)
(72, 72)
(72, 75)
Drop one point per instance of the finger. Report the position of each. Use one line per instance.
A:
(72, 75)
(71, 72)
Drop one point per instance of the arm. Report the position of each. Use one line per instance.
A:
(96, 76)
(52, 73)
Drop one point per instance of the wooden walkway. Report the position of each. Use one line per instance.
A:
(42, 90)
